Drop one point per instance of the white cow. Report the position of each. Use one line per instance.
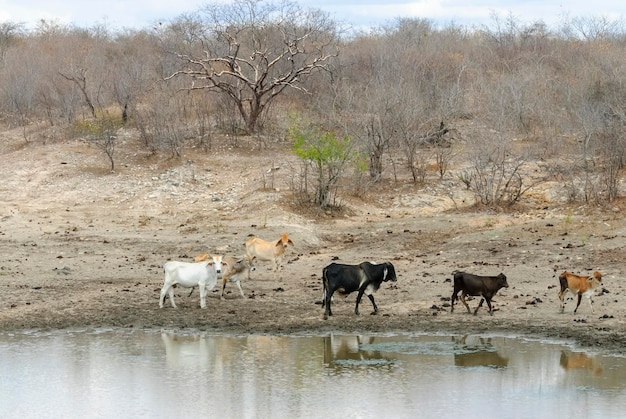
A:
(189, 275)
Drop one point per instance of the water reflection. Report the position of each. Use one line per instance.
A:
(477, 351)
(187, 351)
(104, 372)
(580, 361)
(348, 350)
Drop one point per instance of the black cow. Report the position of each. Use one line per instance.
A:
(485, 286)
(365, 277)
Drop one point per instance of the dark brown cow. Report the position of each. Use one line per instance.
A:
(484, 286)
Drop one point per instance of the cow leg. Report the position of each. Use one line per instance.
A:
(488, 300)
(238, 282)
(371, 297)
(562, 298)
(463, 294)
(203, 292)
(358, 300)
(327, 311)
(482, 299)
(454, 297)
(223, 288)
(578, 303)
(170, 292)
(162, 296)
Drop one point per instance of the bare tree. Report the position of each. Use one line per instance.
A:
(9, 34)
(252, 50)
(78, 77)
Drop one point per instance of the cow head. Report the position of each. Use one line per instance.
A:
(502, 281)
(595, 280)
(217, 263)
(284, 241)
(244, 263)
(390, 272)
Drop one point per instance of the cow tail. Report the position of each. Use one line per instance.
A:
(563, 281)
(325, 286)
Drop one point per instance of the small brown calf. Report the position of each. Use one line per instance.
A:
(578, 285)
(236, 268)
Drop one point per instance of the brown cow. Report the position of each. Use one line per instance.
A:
(268, 251)
(483, 286)
(579, 285)
(235, 269)
(201, 257)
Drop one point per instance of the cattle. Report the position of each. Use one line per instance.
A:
(201, 257)
(365, 278)
(578, 285)
(476, 285)
(188, 275)
(234, 270)
(268, 251)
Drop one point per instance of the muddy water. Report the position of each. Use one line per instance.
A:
(115, 373)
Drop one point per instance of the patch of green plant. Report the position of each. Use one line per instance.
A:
(96, 128)
(327, 152)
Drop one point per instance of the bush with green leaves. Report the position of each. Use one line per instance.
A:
(101, 132)
(324, 156)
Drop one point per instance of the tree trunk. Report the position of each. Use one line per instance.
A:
(376, 164)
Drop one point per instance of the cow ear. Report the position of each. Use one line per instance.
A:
(291, 243)
(209, 264)
(224, 263)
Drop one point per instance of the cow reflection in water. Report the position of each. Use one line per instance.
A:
(348, 348)
(186, 351)
(580, 361)
(478, 352)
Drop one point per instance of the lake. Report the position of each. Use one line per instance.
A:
(129, 373)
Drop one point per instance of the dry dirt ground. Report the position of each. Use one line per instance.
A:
(82, 247)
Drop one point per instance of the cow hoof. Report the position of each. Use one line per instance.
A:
(373, 313)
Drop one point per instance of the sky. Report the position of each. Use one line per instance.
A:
(140, 14)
